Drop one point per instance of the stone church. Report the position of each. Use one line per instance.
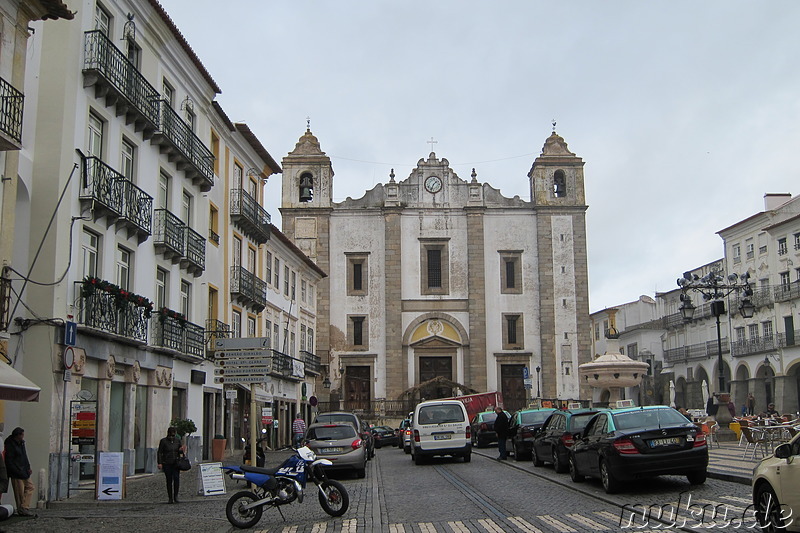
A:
(435, 275)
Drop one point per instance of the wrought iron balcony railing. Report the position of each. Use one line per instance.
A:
(248, 289)
(195, 258)
(185, 339)
(753, 345)
(250, 216)
(703, 350)
(104, 312)
(286, 366)
(788, 291)
(216, 329)
(169, 235)
(137, 211)
(11, 107)
(102, 186)
(312, 362)
(118, 80)
(213, 236)
(194, 158)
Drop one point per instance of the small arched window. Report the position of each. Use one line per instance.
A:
(306, 187)
(559, 184)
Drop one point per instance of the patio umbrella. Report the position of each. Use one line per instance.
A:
(671, 393)
(704, 391)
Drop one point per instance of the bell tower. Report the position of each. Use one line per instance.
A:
(557, 193)
(307, 175)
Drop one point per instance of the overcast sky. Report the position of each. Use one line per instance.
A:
(684, 112)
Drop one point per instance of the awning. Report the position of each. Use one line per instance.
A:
(16, 387)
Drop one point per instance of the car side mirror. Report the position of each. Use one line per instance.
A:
(784, 451)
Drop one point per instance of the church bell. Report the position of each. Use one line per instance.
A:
(306, 188)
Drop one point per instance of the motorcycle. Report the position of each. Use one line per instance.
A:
(259, 452)
(274, 487)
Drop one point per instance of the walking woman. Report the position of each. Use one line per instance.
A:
(169, 449)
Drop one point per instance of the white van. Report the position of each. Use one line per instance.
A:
(440, 427)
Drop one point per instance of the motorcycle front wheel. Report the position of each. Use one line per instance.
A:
(240, 517)
(333, 498)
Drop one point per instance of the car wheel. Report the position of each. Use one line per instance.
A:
(407, 449)
(558, 466)
(468, 457)
(573, 471)
(417, 459)
(537, 461)
(610, 483)
(698, 477)
(768, 510)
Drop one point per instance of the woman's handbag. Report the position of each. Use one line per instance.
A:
(183, 463)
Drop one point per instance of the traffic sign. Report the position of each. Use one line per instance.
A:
(239, 379)
(255, 361)
(70, 333)
(528, 383)
(239, 371)
(243, 343)
(243, 353)
(526, 373)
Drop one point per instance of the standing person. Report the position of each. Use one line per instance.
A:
(169, 449)
(298, 429)
(501, 428)
(19, 471)
(751, 404)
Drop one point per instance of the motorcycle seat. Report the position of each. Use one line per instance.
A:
(259, 470)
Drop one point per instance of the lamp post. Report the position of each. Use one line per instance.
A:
(715, 287)
(538, 390)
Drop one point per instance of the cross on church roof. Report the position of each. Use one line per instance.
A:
(432, 142)
(554, 125)
(308, 123)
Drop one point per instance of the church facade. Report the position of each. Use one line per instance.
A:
(437, 276)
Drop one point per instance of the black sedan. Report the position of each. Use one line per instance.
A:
(384, 436)
(482, 430)
(638, 442)
(523, 427)
(552, 442)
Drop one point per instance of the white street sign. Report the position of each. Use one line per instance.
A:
(239, 379)
(246, 343)
(255, 361)
(236, 371)
(230, 394)
(239, 354)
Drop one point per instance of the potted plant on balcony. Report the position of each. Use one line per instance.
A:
(121, 297)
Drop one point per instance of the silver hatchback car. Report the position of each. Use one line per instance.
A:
(340, 444)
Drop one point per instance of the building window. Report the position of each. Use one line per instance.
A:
(252, 188)
(294, 285)
(238, 172)
(91, 249)
(215, 151)
(597, 331)
(186, 209)
(268, 334)
(737, 253)
(190, 118)
(95, 136)
(277, 274)
(633, 351)
(762, 249)
(162, 288)
(292, 344)
(251, 326)
(766, 330)
(133, 53)
(251, 259)
(275, 338)
(237, 251)
(358, 332)
(102, 20)
(236, 324)
(310, 341)
(213, 224)
(797, 241)
(303, 290)
(782, 247)
(510, 272)
(213, 303)
(186, 298)
(286, 281)
(512, 332)
(435, 267)
(559, 184)
(740, 336)
(302, 337)
(750, 250)
(269, 267)
(785, 282)
(128, 159)
(357, 274)
(168, 93)
(752, 332)
(123, 268)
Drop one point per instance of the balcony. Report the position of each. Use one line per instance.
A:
(215, 329)
(703, 350)
(787, 291)
(111, 195)
(754, 345)
(169, 235)
(106, 314)
(247, 289)
(11, 104)
(184, 340)
(762, 297)
(176, 139)
(116, 79)
(249, 216)
(287, 367)
(213, 236)
(312, 363)
(194, 261)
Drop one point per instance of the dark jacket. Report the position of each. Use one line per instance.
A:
(168, 452)
(3, 478)
(17, 464)
(501, 425)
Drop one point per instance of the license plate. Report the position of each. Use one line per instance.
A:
(665, 442)
(324, 451)
(441, 437)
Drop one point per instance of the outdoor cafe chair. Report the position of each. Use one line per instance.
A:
(756, 440)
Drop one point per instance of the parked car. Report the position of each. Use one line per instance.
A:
(483, 433)
(340, 444)
(404, 435)
(440, 427)
(335, 417)
(776, 488)
(637, 442)
(383, 436)
(522, 428)
(552, 442)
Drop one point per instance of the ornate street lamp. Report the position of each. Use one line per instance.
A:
(538, 390)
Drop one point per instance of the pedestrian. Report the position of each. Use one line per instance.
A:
(744, 409)
(298, 429)
(18, 468)
(169, 450)
(751, 404)
(501, 428)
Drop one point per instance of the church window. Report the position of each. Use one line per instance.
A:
(357, 274)
(512, 332)
(559, 184)
(510, 272)
(434, 268)
(357, 332)
(306, 187)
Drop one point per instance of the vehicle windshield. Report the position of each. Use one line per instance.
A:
(331, 433)
(534, 417)
(645, 418)
(440, 414)
(488, 417)
(334, 418)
